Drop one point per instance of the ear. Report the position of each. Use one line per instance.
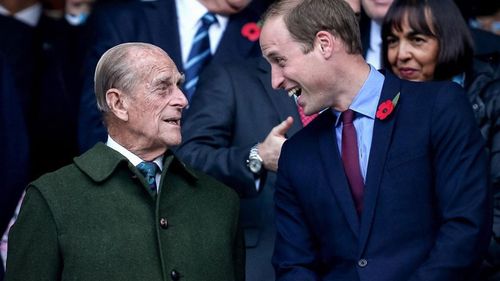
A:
(326, 43)
(117, 103)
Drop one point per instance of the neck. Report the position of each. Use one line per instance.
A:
(353, 78)
(141, 147)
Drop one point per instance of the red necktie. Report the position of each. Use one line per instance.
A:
(304, 118)
(350, 159)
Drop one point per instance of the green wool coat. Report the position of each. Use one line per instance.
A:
(96, 220)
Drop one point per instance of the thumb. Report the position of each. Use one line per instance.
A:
(283, 127)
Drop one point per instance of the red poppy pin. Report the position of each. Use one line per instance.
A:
(385, 109)
(251, 31)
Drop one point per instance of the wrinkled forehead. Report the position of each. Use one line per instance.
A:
(153, 62)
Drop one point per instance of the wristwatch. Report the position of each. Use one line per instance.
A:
(254, 162)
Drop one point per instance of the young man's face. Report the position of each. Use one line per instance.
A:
(292, 69)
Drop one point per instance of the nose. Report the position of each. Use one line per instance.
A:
(179, 99)
(404, 51)
(277, 79)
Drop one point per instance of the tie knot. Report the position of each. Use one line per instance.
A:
(347, 116)
(208, 19)
(149, 170)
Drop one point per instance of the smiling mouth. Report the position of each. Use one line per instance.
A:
(173, 121)
(295, 91)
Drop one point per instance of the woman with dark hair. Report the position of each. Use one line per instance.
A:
(426, 40)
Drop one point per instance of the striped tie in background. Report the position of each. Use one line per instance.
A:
(199, 55)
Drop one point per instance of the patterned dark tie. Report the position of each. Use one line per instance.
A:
(199, 55)
(350, 159)
(149, 170)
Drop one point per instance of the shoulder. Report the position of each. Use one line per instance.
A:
(204, 185)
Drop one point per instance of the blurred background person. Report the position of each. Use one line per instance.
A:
(429, 40)
(45, 53)
(193, 32)
(234, 130)
(372, 14)
(480, 16)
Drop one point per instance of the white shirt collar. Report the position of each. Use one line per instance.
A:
(29, 16)
(189, 13)
(134, 159)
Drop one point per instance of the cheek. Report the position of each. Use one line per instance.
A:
(430, 65)
(392, 58)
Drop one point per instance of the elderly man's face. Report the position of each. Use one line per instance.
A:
(225, 7)
(156, 102)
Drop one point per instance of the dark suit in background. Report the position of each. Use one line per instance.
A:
(234, 108)
(14, 147)
(426, 214)
(46, 64)
(150, 22)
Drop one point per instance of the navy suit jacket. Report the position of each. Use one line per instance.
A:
(234, 108)
(427, 212)
(152, 22)
(14, 147)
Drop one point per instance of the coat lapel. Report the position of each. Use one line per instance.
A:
(382, 135)
(282, 103)
(334, 170)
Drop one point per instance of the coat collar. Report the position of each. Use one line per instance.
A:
(100, 162)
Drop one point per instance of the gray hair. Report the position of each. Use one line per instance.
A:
(116, 70)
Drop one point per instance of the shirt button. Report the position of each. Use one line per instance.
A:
(362, 263)
(175, 275)
(163, 223)
(475, 107)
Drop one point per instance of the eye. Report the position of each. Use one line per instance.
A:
(279, 61)
(391, 41)
(420, 39)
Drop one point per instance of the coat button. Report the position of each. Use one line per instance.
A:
(164, 224)
(362, 263)
(175, 275)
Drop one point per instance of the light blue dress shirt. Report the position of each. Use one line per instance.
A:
(365, 106)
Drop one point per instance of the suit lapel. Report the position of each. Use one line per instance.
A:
(161, 17)
(382, 135)
(282, 103)
(232, 44)
(334, 170)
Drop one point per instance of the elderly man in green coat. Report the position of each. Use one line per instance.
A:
(129, 209)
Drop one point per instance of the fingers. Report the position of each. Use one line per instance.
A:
(283, 127)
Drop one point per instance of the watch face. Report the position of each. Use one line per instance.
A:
(255, 165)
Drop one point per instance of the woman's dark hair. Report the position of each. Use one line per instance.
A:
(440, 19)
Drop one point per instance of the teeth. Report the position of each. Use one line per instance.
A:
(293, 91)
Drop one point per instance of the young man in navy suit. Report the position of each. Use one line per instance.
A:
(171, 25)
(390, 181)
